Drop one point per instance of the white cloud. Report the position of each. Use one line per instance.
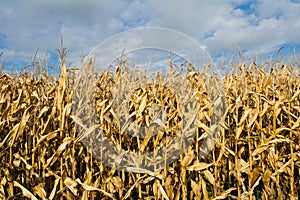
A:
(219, 24)
(264, 31)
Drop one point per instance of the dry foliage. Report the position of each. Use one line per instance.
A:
(256, 157)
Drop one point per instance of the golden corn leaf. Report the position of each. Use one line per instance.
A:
(25, 192)
(40, 191)
(225, 194)
(91, 188)
(53, 192)
(259, 150)
(204, 189)
(71, 184)
(196, 187)
(163, 192)
(209, 176)
(117, 181)
(188, 158)
(199, 166)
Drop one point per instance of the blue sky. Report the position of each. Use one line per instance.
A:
(259, 27)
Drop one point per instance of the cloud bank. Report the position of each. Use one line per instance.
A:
(259, 26)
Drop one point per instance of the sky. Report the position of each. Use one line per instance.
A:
(258, 27)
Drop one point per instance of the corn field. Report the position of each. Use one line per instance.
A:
(257, 155)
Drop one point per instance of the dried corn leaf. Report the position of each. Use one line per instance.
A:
(187, 159)
(40, 191)
(60, 149)
(163, 192)
(91, 188)
(196, 188)
(71, 184)
(259, 150)
(225, 194)
(25, 192)
(199, 166)
(53, 192)
(209, 176)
